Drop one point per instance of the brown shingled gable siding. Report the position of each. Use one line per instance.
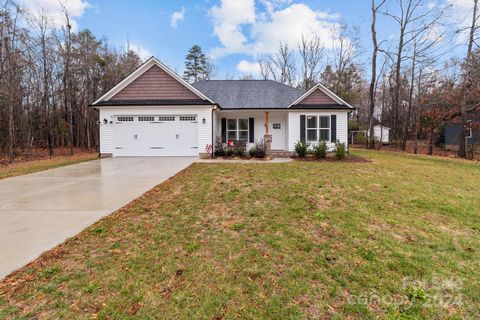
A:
(155, 84)
(317, 97)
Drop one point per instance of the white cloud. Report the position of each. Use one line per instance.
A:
(53, 9)
(462, 11)
(289, 24)
(142, 52)
(280, 22)
(431, 5)
(228, 19)
(177, 17)
(249, 68)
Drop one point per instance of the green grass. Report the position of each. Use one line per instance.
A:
(301, 240)
(24, 167)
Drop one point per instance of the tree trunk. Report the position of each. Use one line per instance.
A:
(462, 150)
(371, 92)
(410, 99)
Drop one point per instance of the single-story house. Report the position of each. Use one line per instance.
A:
(154, 112)
(452, 136)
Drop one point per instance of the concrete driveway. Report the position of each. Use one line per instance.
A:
(40, 210)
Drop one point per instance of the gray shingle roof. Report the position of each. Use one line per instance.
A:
(248, 94)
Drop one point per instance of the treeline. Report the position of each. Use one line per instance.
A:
(405, 81)
(48, 77)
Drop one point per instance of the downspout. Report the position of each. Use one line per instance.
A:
(211, 120)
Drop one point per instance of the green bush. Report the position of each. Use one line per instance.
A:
(239, 148)
(229, 152)
(301, 148)
(340, 151)
(219, 148)
(258, 150)
(320, 150)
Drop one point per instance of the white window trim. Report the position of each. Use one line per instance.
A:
(237, 130)
(318, 128)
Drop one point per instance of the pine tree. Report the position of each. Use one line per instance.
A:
(196, 65)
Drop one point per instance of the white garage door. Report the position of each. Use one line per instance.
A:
(171, 135)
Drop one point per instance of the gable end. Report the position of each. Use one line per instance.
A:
(317, 97)
(155, 84)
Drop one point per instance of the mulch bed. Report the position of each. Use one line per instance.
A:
(356, 159)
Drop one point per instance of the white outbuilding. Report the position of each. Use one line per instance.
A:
(381, 133)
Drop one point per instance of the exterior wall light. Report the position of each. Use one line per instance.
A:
(204, 120)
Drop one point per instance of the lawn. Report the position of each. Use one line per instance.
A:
(24, 167)
(394, 238)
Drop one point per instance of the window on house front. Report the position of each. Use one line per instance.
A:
(145, 118)
(123, 118)
(318, 128)
(188, 118)
(312, 128)
(324, 128)
(237, 129)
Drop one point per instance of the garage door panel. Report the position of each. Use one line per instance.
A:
(155, 138)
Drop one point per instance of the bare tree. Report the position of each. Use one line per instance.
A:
(414, 17)
(346, 51)
(311, 51)
(65, 48)
(467, 81)
(284, 62)
(265, 65)
(371, 110)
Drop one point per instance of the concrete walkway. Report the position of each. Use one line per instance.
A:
(40, 210)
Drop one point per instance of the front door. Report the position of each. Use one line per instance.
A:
(277, 129)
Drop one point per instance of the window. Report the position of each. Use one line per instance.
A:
(125, 118)
(237, 129)
(276, 126)
(312, 128)
(318, 128)
(324, 128)
(188, 118)
(145, 118)
(166, 118)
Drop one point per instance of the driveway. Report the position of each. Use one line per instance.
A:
(40, 210)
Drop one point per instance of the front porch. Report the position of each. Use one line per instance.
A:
(253, 126)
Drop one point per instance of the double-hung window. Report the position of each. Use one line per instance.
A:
(237, 129)
(318, 128)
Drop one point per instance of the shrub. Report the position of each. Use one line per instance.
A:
(301, 148)
(340, 151)
(258, 150)
(320, 150)
(219, 148)
(229, 152)
(239, 148)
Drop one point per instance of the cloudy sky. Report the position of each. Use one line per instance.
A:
(233, 32)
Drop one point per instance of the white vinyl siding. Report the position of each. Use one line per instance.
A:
(294, 126)
(111, 114)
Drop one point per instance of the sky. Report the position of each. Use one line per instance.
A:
(233, 33)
